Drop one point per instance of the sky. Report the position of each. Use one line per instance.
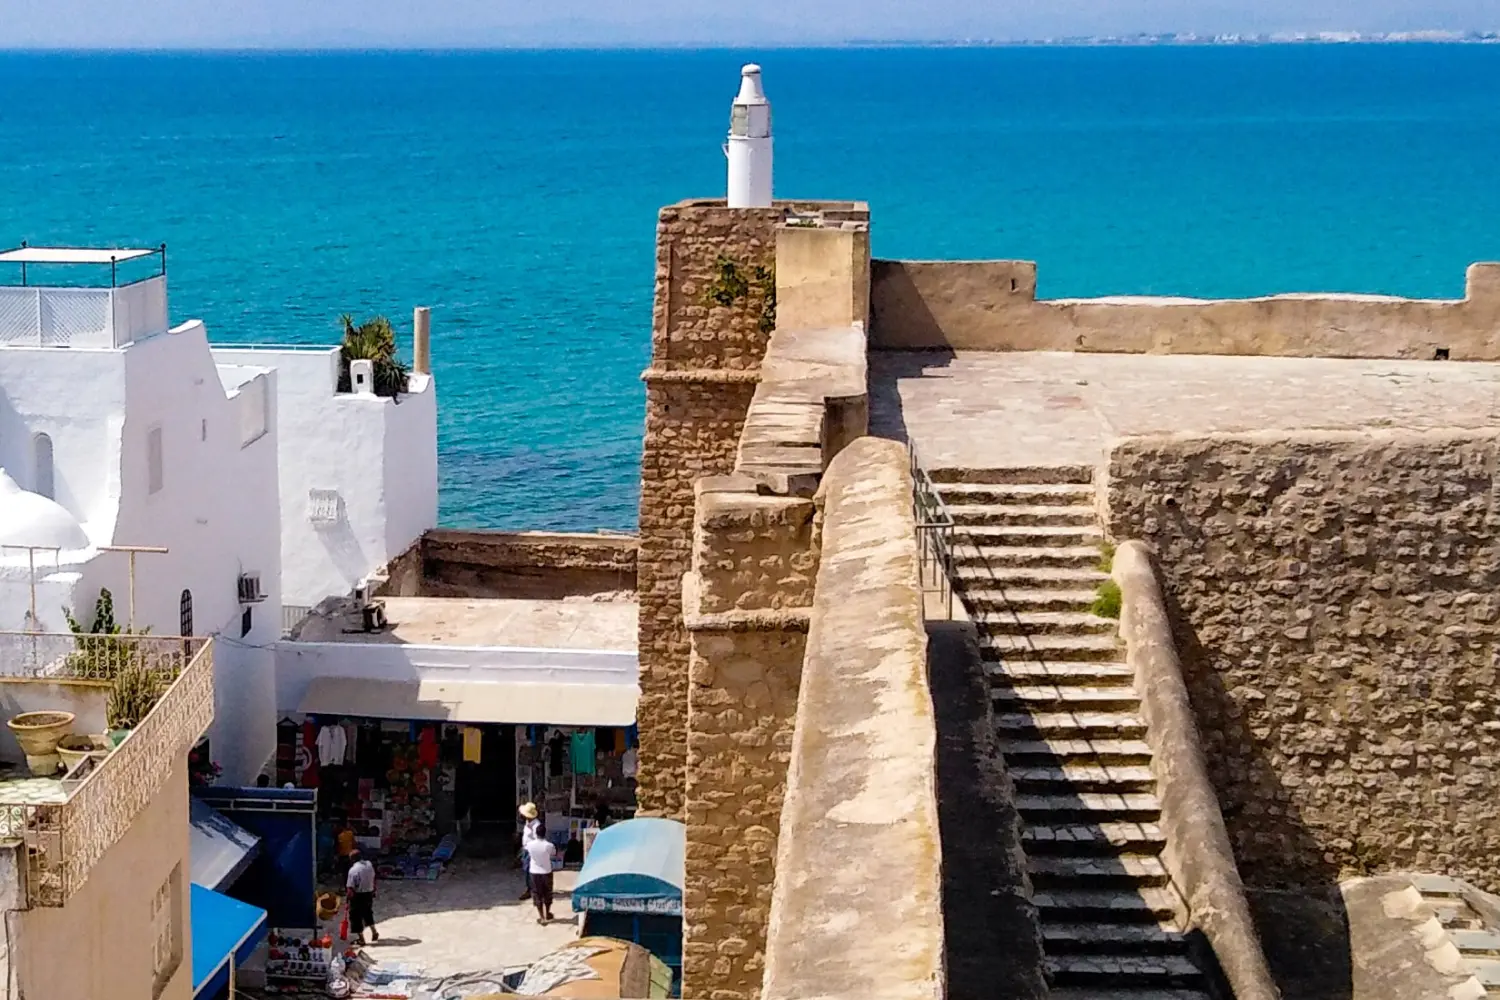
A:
(504, 23)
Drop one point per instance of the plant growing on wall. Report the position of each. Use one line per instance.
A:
(731, 283)
(104, 647)
(373, 340)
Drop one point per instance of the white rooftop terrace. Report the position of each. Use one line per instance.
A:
(57, 297)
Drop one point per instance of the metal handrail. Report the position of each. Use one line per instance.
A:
(934, 535)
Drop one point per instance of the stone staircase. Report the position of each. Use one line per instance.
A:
(1476, 941)
(1027, 563)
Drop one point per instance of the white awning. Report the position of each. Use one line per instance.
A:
(220, 850)
(474, 701)
(70, 255)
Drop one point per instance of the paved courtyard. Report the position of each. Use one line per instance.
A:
(980, 409)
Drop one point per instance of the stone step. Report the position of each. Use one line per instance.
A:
(1055, 779)
(1024, 515)
(1487, 971)
(1086, 838)
(980, 577)
(1003, 535)
(1476, 942)
(1079, 725)
(1143, 938)
(1124, 992)
(1058, 808)
(1116, 969)
(1150, 905)
(1005, 647)
(1083, 871)
(996, 557)
(1029, 475)
(1090, 673)
(1007, 621)
(1008, 697)
(1019, 752)
(1028, 599)
(1018, 494)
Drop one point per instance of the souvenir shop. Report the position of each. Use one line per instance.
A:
(409, 791)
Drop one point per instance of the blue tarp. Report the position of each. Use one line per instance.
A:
(225, 931)
(634, 867)
(220, 850)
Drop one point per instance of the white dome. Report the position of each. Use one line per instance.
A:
(30, 519)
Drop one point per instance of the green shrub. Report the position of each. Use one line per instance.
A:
(1107, 601)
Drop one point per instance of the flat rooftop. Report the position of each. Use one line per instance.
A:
(984, 409)
(571, 623)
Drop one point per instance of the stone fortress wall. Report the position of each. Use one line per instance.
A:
(1336, 607)
(992, 306)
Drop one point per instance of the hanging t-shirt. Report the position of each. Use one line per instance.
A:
(628, 763)
(583, 751)
(473, 744)
(427, 747)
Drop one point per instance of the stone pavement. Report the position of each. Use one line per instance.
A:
(980, 409)
(469, 920)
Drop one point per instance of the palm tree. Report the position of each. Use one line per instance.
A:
(373, 340)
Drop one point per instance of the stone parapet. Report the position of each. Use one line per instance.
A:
(992, 306)
(856, 910)
(1197, 854)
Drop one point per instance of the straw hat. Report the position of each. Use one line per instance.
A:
(528, 810)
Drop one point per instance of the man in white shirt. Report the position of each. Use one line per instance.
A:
(528, 834)
(539, 855)
(361, 886)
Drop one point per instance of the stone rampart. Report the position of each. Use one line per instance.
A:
(992, 306)
(529, 565)
(1335, 600)
(1198, 854)
(717, 292)
(856, 910)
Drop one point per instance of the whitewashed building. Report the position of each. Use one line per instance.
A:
(241, 475)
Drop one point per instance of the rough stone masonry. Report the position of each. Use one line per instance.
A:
(1336, 604)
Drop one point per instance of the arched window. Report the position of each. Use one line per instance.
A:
(41, 448)
(185, 614)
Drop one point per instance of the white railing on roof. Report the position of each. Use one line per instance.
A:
(32, 316)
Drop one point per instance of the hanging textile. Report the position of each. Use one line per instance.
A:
(583, 751)
(473, 744)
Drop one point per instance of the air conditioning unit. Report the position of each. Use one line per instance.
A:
(250, 592)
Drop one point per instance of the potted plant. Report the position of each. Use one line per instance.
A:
(373, 340)
(133, 692)
(39, 733)
(102, 648)
(74, 749)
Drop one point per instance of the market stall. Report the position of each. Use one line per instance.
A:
(631, 887)
(580, 777)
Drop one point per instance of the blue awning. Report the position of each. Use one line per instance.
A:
(634, 867)
(220, 849)
(225, 932)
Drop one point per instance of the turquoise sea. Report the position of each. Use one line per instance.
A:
(516, 193)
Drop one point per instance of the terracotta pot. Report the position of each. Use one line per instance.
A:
(74, 749)
(39, 733)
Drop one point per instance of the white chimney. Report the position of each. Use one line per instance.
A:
(749, 146)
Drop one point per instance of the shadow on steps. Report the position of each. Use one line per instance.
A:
(990, 927)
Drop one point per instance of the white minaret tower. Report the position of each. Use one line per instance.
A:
(749, 146)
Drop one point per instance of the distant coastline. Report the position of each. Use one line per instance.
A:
(1191, 39)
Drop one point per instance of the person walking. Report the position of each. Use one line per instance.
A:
(528, 834)
(361, 886)
(539, 854)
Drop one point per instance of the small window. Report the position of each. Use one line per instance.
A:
(203, 430)
(246, 623)
(185, 621)
(46, 483)
(166, 931)
(153, 460)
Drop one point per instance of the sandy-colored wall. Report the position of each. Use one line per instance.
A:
(1334, 604)
(856, 910)
(705, 362)
(98, 946)
(525, 565)
(992, 306)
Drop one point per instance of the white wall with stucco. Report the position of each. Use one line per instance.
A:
(379, 455)
(217, 511)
